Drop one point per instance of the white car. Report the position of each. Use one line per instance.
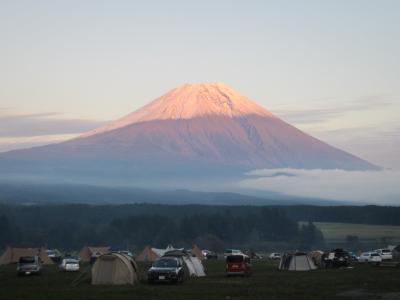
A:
(69, 265)
(370, 257)
(275, 256)
(229, 252)
(386, 254)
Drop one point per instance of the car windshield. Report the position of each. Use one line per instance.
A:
(27, 260)
(374, 254)
(166, 263)
(234, 259)
(71, 261)
(385, 251)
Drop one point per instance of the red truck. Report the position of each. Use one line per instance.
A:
(238, 264)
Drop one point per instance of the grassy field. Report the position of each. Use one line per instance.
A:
(339, 231)
(361, 282)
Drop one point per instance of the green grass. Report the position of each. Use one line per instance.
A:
(339, 231)
(266, 283)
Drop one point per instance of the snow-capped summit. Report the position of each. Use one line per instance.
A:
(190, 101)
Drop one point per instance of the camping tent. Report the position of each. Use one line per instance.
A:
(87, 253)
(192, 263)
(147, 255)
(297, 261)
(12, 255)
(44, 257)
(197, 252)
(114, 269)
(396, 253)
(316, 257)
(161, 252)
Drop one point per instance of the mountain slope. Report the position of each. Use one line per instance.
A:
(195, 129)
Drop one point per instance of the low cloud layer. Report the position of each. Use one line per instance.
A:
(314, 115)
(8, 144)
(30, 125)
(18, 131)
(374, 187)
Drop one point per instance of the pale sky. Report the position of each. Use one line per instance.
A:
(331, 68)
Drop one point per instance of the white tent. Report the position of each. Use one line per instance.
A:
(161, 252)
(296, 262)
(198, 268)
(193, 264)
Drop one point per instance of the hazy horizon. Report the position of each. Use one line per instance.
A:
(329, 69)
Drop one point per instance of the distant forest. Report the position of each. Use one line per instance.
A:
(71, 226)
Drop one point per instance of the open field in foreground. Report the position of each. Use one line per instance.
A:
(361, 282)
(339, 231)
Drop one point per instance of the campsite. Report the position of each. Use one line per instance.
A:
(361, 282)
(107, 270)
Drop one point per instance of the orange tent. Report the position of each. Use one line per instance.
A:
(88, 252)
(147, 255)
(12, 255)
(197, 252)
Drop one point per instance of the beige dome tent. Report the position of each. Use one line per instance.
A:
(114, 269)
(197, 252)
(147, 255)
(298, 261)
(87, 253)
(12, 255)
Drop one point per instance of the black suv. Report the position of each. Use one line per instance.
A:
(336, 258)
(166, 269)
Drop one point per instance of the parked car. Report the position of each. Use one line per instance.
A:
(69, 265)
(54, 255)
(275, 256)
(386, 254)
(370, 257)
(352, 256)
(375, 258)
(238, 264)
(209, 254)
(336, 258)
(166, 269)
(29, 265)
(228, 252)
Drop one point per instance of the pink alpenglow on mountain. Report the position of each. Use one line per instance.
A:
(196, 128)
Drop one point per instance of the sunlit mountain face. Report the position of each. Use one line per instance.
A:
(206, 130)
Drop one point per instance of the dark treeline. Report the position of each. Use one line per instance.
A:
(72, 226)
(370, 214)
(377, 215)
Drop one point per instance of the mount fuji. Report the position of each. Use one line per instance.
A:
(206, 130)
